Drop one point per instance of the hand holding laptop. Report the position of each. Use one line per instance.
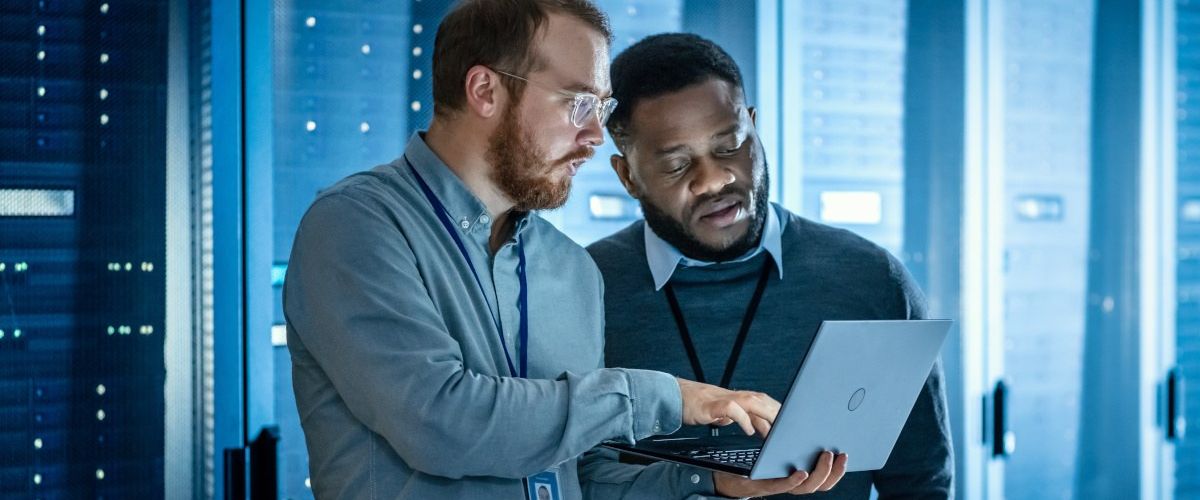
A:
(705, 404)
(824, 477)
(753, 411)
(852, 394)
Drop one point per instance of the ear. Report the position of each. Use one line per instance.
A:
(754, 115)
(620, 165)
(484, 93)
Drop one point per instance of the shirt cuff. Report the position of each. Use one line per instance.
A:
(697, 484)
(656, 403)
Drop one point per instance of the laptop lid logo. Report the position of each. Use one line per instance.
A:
(856, 399)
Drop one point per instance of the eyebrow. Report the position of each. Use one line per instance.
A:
(670, 150)
(583, 87)
(732, 129)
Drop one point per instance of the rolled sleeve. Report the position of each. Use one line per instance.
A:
(657, 405)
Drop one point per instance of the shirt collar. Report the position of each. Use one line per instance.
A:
(465, 209)
(664, 258)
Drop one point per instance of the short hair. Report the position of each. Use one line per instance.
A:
(498, 34)
(661, 64)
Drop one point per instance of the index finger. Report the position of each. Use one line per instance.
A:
(818, 475)
(835, 475)
(760, 405)
(762, 426)
(735, 412)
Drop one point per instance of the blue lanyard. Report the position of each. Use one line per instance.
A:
(522, 295)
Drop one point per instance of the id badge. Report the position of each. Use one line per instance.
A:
(543, 486)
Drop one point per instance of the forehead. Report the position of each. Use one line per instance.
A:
(689, 114)
(573, 54)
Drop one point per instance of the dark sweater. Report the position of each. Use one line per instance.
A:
(828, 274)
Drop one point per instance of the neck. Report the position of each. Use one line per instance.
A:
(464, 150)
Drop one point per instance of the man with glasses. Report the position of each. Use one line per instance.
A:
(446, 341)
(729, 287)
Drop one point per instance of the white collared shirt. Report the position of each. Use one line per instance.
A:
(664, 258)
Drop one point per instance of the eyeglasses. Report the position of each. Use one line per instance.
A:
(583, 104)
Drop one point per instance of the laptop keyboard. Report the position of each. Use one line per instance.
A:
(741, 458)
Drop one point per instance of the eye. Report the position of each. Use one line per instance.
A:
(730, 151)
(678, 166)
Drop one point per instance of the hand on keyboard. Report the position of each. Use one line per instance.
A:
(705, 404)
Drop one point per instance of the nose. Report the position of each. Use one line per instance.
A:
(711, 177)
(591, 133)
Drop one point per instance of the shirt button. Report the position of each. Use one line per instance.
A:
(464, 223)
(695, 478)
(657, 426)
(484, 219)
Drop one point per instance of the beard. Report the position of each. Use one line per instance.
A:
(679, 236)
(521, 169)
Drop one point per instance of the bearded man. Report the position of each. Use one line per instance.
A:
(446, 341)
(729, 287)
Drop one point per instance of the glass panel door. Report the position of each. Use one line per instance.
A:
(1047, 48)
(83, 249)
(849, 119)
(1187, 321)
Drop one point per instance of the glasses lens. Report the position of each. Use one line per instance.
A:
(607, 111)
(585, 105)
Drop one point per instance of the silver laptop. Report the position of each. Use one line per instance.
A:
(852, 394)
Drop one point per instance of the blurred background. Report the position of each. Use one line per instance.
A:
(1035, 164)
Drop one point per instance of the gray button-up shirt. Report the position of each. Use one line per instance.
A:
(401, 381)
